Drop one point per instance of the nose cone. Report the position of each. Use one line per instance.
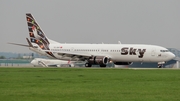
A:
(33, 62)
(171, 56)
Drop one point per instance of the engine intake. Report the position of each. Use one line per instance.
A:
(98, 60)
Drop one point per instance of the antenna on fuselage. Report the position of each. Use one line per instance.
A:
(119, 42)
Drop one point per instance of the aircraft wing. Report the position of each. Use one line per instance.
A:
(73, 56)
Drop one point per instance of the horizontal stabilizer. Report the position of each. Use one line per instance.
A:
(30, 44)
(19, 44)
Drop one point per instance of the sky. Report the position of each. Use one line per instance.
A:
(154, 22)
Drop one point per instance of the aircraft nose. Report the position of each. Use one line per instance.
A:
(171, 56)
(33, 62)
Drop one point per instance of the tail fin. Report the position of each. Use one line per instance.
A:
(36, 34)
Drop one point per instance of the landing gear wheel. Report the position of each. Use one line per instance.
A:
(102, 65)
(88, 65)
(160, 65)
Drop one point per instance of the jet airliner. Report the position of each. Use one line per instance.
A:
(94, 54)
(52, 62)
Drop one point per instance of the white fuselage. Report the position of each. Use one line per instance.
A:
(116, 52)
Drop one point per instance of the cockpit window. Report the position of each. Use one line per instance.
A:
(164, 50)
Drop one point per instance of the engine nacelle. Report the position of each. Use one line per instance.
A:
(98, 60)
(123, 63)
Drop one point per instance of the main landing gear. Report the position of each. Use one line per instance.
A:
(102, 65)
(90, 65)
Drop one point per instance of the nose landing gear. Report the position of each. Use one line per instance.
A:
(160, 64)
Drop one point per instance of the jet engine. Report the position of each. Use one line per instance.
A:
(98, 60)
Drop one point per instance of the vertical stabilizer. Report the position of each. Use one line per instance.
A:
(36, 34)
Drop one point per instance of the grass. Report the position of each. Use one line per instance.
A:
(82, 84)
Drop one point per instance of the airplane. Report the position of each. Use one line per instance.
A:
(94, 54)
(51, 62)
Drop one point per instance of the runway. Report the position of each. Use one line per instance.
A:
(134, 68)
